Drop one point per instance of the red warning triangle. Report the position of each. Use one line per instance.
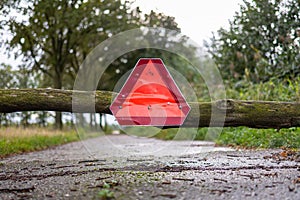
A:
(150, 97)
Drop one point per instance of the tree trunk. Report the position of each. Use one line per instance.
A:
(91, 122)
(58, 115)
(101, 124)
(58, 121)
(42, 119)
(256, 114)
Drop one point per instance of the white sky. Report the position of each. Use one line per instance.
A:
(196, 18)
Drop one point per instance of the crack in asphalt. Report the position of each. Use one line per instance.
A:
(178, 169)
(56, 174)
(144, 169)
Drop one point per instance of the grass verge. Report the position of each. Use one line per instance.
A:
(18, 140)
(261, 138)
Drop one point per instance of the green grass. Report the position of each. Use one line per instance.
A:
(260, 138)
(17, 140)
(239, 136)
(183, 134)
(167, 134)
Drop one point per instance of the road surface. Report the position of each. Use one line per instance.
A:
(126, 167)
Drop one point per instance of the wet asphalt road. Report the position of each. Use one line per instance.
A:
(141, 168)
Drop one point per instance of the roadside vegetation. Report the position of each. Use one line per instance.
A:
(260, 138)
(286, 90)
(258, 56)
(244, 137)
(19, 140)
(16, 140)
(272, 90)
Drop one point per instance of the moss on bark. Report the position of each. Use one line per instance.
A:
(256, 114)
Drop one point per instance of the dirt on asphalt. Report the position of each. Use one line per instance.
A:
(126, 167)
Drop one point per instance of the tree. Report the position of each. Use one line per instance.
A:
(262, 41)
(18, 78)
(127, 61)
(58, 35)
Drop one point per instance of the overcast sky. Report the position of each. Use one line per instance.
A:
(196, 18)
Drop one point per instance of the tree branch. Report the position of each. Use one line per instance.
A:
(256, 114)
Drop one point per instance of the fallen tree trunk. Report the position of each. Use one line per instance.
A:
(256, 114)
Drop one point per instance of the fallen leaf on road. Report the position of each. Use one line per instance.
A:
(283, 154)
(297, 180)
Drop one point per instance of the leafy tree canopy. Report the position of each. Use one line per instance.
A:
(58, 35)
(262, 41)
(54, 37)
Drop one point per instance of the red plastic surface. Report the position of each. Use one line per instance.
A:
(150, 97)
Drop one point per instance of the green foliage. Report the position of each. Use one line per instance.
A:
(272, 90)
(184, 134)
(119, 70)
(286, 90)
(262, 42)
(55, 36)
(105, 193)
(262, 138)
(20, 78)
(167, 134)
(244, 137)
(19, 141)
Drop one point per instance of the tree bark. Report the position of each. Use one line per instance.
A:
(256, 114)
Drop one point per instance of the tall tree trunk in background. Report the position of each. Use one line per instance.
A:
(58, 85)
(25, 119)
(95, 122)
(42, 119)
(58, 121)
(91, 121)
(1, 116)
(103, 122)
(100, 121)
(81, 120)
